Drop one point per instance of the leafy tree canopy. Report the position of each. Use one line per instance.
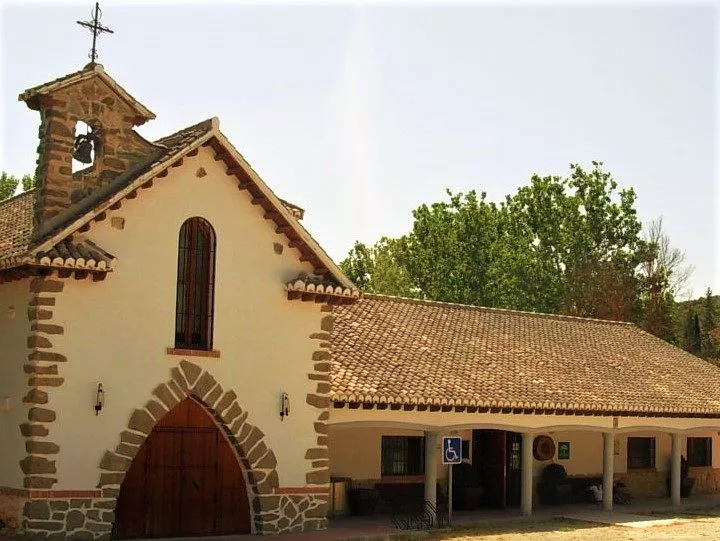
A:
(556, 245)
(9, 184)
(568, 245)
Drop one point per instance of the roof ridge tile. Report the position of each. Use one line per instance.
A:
(430, 302)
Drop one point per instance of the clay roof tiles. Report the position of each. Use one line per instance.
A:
(84, 254)
(16, 224)
(389, 350)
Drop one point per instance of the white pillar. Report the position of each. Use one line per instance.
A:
(675, 467)
(526, 468)
(431, 460)
(608, 469)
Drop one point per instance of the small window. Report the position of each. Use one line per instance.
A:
(641, 453)
(403, 455)
(195, 285)
(699, 451)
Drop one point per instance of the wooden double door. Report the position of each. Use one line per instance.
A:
(185, 480)
(496, 465)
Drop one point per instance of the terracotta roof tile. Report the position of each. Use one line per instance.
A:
(83, 254)
(16, 224)
(393, 350)
(319, 286)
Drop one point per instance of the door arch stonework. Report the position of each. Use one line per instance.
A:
(91, 516)
(258, 462)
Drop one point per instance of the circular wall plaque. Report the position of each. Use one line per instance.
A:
(543, 448)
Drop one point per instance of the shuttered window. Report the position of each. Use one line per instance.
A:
(699, 451)
(640, 453)
(195, 285)
(403, 455)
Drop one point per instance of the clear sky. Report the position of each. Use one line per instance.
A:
(360, 112)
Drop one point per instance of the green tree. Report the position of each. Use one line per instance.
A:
(450, 253)
(28, 182)
(559, 245)
(664, 275)
(9, 184)
(583, 235)
(708, 326)
(691, 332)
(376, 269)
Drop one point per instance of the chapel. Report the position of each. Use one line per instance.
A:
(179, 356)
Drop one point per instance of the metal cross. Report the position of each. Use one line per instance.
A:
(96, 28)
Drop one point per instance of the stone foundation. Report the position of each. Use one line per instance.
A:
(11, 512)
(83, 519)
(290, 513)
(91, 519)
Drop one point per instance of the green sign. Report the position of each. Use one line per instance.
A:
(564, 450)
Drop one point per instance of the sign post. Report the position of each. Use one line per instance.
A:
(451, 454)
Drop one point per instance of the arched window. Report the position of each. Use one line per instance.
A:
(195, 285)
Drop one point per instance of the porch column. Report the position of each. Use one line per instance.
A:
(608, 469)
(675, 471)
(431, 460)
(526, 467)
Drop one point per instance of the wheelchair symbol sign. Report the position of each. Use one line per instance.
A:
(452, 450)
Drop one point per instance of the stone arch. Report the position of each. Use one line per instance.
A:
(258, 461)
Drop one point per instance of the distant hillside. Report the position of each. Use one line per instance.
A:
(696, 304)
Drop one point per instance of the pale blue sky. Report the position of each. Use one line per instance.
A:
(361, 112)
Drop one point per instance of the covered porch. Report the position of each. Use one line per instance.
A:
(502, 473)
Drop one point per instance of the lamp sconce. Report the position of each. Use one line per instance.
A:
(284, 405)
(99, 399)
(5, 403)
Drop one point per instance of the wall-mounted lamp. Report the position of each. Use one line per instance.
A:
(99, 399)
(284, 405)
(5, 403)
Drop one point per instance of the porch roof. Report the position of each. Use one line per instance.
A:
(395, 351)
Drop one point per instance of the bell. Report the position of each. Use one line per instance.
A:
(83, 151)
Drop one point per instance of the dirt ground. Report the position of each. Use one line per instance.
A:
(686, 528)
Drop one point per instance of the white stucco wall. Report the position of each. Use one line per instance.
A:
(117, 331)
(355, 452)
(14, 330)
(586, 450)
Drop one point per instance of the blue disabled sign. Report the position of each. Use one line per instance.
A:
(452, 449)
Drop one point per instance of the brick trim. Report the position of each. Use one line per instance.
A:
(193, 352)
(302, 490)
(50, 494)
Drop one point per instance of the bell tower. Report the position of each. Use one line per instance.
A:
(109, 146)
